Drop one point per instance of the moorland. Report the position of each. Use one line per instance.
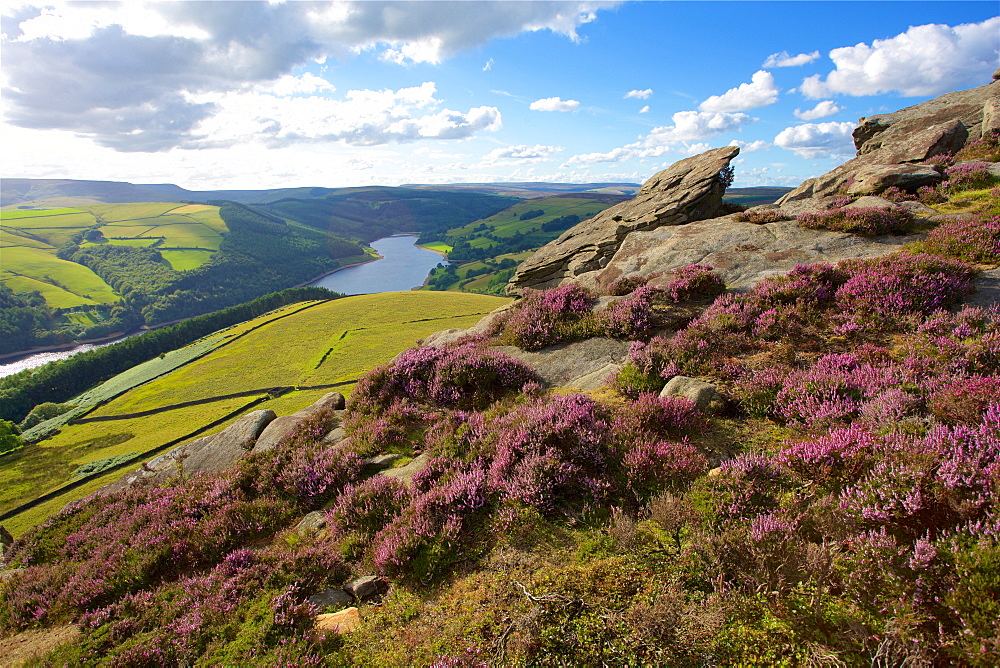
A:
(789, 457)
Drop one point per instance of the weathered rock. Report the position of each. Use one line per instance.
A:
(335, 597)
(991, 117)
(704, 395)
(987, 285)
(687, 191)
(742, 253)
(311, 524)
(911, 135)
(406, 473)
(335, 435)
(595, 379)
(379, 462)
(286, 425)
(341, 622)
(871, 202)
(566, 363)
(366, 587)
(446, 336)
(208, 454)
(873, 179)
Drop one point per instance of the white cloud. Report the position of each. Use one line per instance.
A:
(760, 92)
(696, 148)
(488, 66)
(817, 140)
(146, 76)
(639, 94)
(519, 155)
(925, 60)
(554, 104)
(689, 126)
(305, 84)
(363, 118)
(644, 110)
(821, 110)
(785, 59)
(750, 146)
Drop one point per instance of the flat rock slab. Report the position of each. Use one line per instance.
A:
(742, 253)
(340, 623)
(406, 473)
(570, 363)
(987, 286)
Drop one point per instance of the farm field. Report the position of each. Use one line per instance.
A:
(316, 343)
(186, 235)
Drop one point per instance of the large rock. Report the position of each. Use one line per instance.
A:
(568, 364)
(742, 253)
(284, 426)
(208, 454)
(689, 190)
(910, 135)
(873, 179)
(6, 540)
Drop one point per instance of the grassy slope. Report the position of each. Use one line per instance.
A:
(186, 235)
(354, 334)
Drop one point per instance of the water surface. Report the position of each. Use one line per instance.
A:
(403, 266)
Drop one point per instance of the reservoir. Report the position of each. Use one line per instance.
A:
(403, 266)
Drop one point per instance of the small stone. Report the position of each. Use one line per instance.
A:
(335, 435)
(335, 597)
(311, 524)
(5, 538)
(341, 622)
(365, 587)
(703, 394)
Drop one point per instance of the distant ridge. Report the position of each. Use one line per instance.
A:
(57, 192)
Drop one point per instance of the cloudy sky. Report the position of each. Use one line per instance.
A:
(274, 94)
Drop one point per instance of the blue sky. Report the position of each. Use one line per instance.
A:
(263, 95)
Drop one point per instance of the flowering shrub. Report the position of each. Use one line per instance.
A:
(652, 416)
(654, 466)
(545, 318)
(364, 509)
(972, 240)
(626, 284)
(694, 281)
(629, 317)
(892, 287)
(866, 221)
(463, 376)
(762, 216)
(931, 195)
(967, 176)
(965, 400)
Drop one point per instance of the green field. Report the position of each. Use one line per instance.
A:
(320, 343)
(186, 234)
(63, 284)
(439, 246)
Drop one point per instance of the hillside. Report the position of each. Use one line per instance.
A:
(697, 437)
(310, 347)
(103, 269)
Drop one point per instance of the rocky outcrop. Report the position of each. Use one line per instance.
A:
(742, 253)
(689, 190)
(284, 426)
(204, 455)
(911, 135)
(6, 540)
